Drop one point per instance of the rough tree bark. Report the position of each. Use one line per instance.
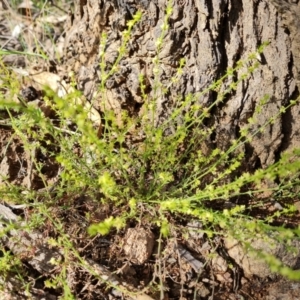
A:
(212, 36)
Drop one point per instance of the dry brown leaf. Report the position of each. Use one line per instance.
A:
(53, 19)
(143, 297)
(26, 8)
(48, 79)
(53, 81)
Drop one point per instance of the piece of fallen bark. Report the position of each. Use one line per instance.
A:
(29, 246)
(13, 289)
(33, 248)
(189, 258)
(113, 279)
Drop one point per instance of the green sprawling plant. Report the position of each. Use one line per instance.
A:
(146, 166)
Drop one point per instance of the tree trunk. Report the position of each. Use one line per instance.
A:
(211, 36)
